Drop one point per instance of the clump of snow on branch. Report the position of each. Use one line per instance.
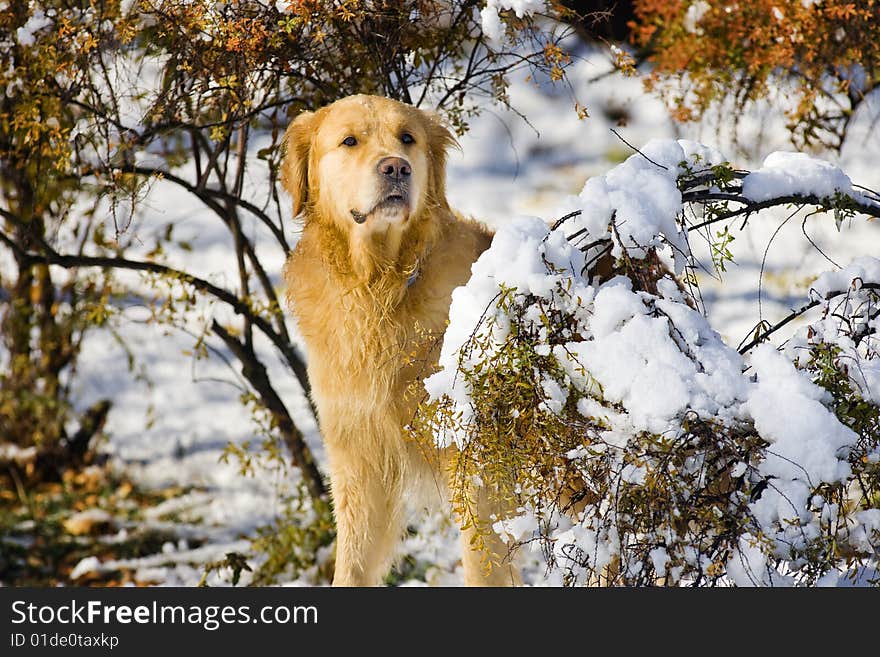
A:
(850, 323)
(490, 15)
(644, 190)
(854, 276)
(37, 20)
(750, 459)
(518, 259)
(791, 174)
(654, 374)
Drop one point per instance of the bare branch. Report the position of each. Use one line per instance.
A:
(255, 372)
(51, 257)
(761, 337)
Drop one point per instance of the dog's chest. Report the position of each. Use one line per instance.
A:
(362, 343)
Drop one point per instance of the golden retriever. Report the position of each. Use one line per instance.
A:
(369, 280)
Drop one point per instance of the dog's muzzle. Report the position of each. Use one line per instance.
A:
(395, 173)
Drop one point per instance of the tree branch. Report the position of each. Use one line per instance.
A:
(52, 257)
(255, 372)
(206, 195)
(758, 339)
(752, 207)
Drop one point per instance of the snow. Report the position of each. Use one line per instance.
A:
(641, 194)
(516, 261)
(865, 269)
(516, 527)
(91, 516)
(20, 455)
(790, 174)
(660, 558)
(26, 34)
(171, 567)
(631, 354)
(656, 359)
(555, 395)
(493, 26)
(853, 293)
(85, 565)
(694, 14)
(748, 567)
(638, 365)
(808, 444)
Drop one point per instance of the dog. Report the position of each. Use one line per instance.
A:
(371, 277)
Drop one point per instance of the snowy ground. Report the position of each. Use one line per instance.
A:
(172, 428)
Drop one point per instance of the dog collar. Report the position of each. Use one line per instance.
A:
(414, 276)
(417, 269)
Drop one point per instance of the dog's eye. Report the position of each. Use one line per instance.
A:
(407, 138)
(349, 141)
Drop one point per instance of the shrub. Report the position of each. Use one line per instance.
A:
(638, 447)
(826, 54)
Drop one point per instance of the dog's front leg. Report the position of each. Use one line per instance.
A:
(368, 523)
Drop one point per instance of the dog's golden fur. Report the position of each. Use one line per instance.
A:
(369, 280)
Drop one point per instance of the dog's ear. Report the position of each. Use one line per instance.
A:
(295, 162)
(440, 140)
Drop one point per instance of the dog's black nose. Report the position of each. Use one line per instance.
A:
(395, 168)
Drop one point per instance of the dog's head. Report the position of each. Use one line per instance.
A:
(366, 163)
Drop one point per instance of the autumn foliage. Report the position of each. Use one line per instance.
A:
(824, 54)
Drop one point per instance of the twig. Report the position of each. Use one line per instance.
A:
(617, 134)
(764, 261)
(562, 220)
(797, 313)
(816, 246)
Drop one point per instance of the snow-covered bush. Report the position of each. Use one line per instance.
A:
(578, 379)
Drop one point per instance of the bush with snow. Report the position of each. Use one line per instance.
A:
(578, 379)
